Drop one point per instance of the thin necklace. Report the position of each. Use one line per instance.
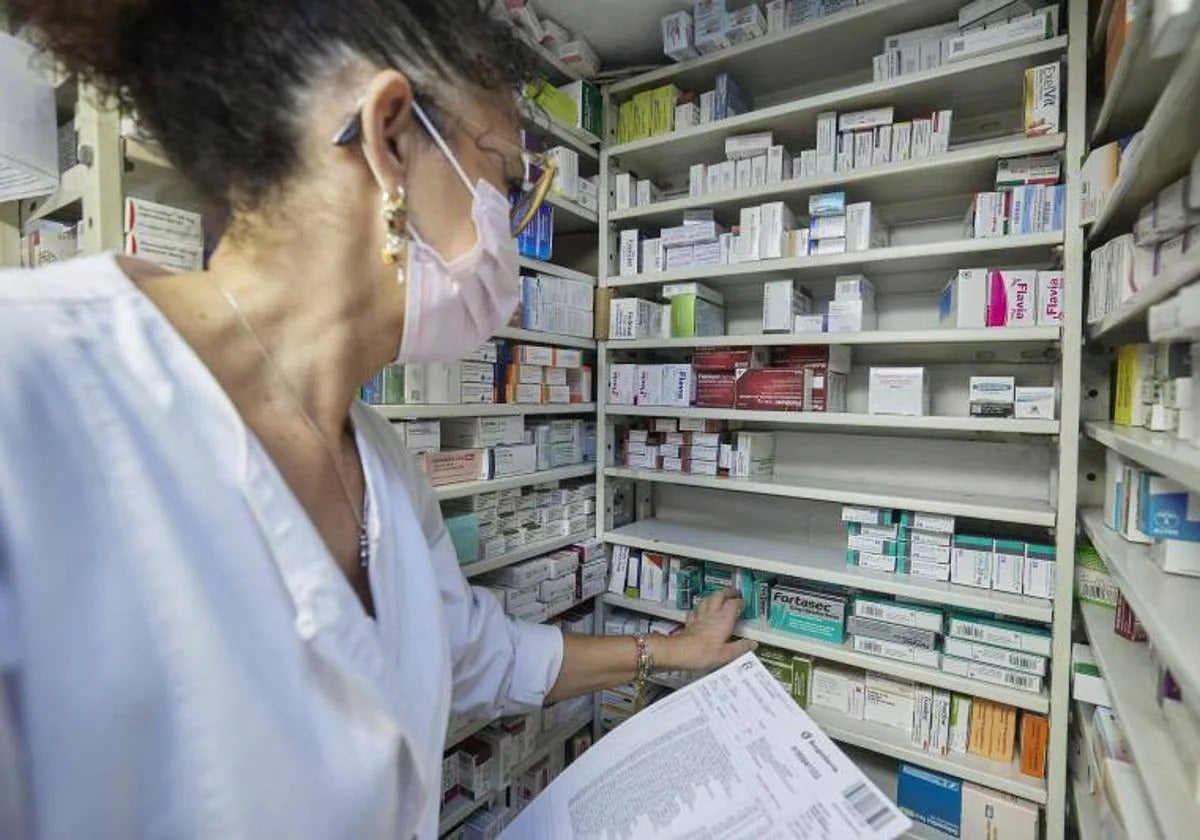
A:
(364, 540)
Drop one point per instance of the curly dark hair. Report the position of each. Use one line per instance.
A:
(219, 83)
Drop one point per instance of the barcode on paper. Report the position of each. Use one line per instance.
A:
(868, 804)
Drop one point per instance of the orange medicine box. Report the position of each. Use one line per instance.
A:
(992, 730)
(1035, 735)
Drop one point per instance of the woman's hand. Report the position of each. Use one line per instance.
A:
(704, 642)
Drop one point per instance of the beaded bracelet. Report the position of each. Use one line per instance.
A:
(645, 663)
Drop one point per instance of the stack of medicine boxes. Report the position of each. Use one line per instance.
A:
(546, 586)
(925, 545)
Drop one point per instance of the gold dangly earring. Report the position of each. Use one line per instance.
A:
(394, 213)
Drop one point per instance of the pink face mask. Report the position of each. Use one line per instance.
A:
(453, 307)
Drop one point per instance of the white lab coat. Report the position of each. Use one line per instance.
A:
(181, 656)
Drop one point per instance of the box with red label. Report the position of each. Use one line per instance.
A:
(770, 389)
(690, 424)
(727, 360)
(1126, 624)
(455, 465)
(716, 390)
(835, 357)
(823, 389)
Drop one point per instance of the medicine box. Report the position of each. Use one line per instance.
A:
(991, 674)
(867, 515)
(1038, 578)
(898, 651)
(992, 396)
(991, 813)
(1008, 566)
(1028, 663)
(1168, 509)
(807, 613)
(898, 391)
(1034, 403)
(930, 798)
(916, 616)
(886, 631)
(1015, 636)
(971, 561)
(888, 702)
(839, 688)
(963, 302)
(1011, 298)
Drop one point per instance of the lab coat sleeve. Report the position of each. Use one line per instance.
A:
(501, 666)
(14, 781)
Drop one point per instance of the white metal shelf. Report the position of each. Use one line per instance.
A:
(1160, 451)
(1137, 81)
(1167, 605)
(68, 195)
(827, 47)
(474, 488)
(873, 422)
(971, 165)
(571, 216)
(547, 62)
(954, 503)
(759, 631)
(1131, 678)
(1168, 143)
(783, 556)
(581, 140)
(481, 567)
(436, 412)
(934, 256)
(886, 740)
(1129, 317)
(957, 86)
(934, 336)
(540, 267)
(557, 339)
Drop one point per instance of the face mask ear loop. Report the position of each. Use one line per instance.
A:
(437, 138)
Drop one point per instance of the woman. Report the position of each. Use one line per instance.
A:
(228, 602)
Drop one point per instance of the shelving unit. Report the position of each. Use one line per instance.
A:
(1157, 96)
(1034, 479)
(1164, 153)
(1137, 80)
(788, 524)
(1131, 677)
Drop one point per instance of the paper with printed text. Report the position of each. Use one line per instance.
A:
(729, 757)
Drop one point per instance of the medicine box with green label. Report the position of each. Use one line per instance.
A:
(898, 612)
(802, 612)
(1030, 638)
(868, 515)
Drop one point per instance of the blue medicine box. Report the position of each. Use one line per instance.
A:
(930, 798)
(1166, 511)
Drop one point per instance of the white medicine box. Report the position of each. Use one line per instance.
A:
(898, 390)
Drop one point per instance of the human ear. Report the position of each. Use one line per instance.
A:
(387, 119)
